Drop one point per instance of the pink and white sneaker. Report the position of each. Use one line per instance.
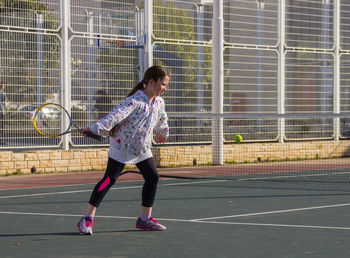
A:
(150, 225)
(85, 225)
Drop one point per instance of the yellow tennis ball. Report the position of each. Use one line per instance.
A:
(238, 138)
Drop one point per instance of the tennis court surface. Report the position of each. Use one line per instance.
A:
(204, 218)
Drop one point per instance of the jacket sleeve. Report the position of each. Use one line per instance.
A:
(162, 126)
(118, 114)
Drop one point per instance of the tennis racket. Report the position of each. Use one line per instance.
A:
(48, 121)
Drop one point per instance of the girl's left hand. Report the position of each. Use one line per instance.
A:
(160, 138)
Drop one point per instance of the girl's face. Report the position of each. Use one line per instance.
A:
(160, 86)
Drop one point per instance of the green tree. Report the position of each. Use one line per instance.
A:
(176, 26)
(19, 49)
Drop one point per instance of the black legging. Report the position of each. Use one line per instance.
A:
(114, 168)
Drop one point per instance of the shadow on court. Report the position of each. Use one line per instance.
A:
(65, 233)
(204, 218)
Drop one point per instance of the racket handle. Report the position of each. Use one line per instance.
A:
(94, 136)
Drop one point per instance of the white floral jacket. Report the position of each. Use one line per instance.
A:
(135, 117)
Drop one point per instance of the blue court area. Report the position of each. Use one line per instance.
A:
(209, 218)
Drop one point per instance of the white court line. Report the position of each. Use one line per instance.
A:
(65, 192)
(40, 187)
(115, 188)
(292, 176)
(275, 212)
(196, 182)
(59, 215)
(186, 221)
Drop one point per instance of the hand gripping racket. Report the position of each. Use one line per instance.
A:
(48, 121)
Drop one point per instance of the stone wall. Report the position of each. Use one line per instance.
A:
(48, 161)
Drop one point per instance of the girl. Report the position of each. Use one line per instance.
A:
(130, 126)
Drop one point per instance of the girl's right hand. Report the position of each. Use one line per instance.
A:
(87, 129)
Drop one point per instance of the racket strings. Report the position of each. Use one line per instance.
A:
(49, 120)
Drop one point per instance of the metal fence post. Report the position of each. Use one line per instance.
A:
(218, 82)
(336, 74)
(65, 68)
(148, 33)
(281, 70)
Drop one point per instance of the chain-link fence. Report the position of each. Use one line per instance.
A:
(280, 57)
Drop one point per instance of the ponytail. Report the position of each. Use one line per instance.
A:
(155, 73)
(140, 86)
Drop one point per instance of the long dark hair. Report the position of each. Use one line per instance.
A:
(155, 72)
